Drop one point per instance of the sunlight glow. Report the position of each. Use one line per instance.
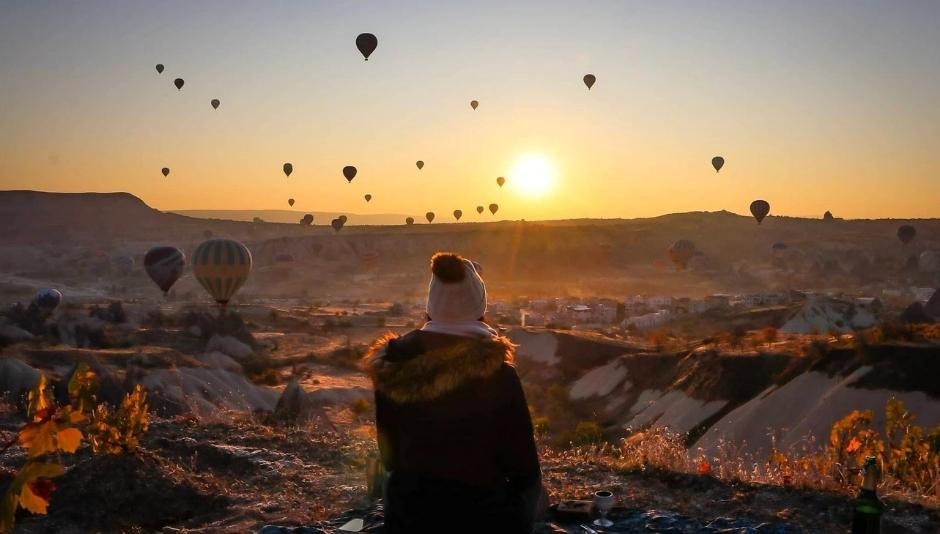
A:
(533, 176)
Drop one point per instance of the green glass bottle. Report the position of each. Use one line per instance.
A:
(868, 507)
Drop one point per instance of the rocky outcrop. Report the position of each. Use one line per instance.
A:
(16, 377)
(10, 333)
(231, 346)
(296, 406)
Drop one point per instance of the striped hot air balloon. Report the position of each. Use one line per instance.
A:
(222, 267)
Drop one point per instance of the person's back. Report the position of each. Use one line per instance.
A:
(453, 425)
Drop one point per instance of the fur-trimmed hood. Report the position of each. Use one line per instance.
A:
(420, 366)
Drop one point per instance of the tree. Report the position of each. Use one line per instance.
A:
(658, 339)
(770, 335)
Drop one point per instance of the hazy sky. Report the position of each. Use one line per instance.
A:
(815, 105)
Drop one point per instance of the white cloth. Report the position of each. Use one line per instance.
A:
(463, 301)
(460, 328)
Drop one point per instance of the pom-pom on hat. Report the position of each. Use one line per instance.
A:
(456, 291)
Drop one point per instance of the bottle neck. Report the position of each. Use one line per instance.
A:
(870, 482)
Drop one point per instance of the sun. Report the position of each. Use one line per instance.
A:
(533, 176)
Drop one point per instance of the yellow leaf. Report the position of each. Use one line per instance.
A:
(853, 445)
(69, 439)
(75, 417)
(38, 438)
(31, 501)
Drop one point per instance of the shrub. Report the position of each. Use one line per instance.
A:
(585, 433)
(360, 407)
(541, 426)
(52, 430)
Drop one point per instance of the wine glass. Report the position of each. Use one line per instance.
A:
(603, 502)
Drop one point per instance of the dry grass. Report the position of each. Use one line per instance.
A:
(909, 457)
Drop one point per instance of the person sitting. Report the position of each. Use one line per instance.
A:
(453, 425)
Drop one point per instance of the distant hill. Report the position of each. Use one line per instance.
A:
(293, 216)
(45, 234)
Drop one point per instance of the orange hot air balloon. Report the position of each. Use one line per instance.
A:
(458, 214)
(718, 162)
(906, 233)
(429, 216)
(368, 197)
(409, 220)
(681, 252)
(494, 208)
(290, 202)
(164, 265)
(500, 181)
(480, 209)
(419, 164)
(760, 209)
(288, 168)
(366, 43)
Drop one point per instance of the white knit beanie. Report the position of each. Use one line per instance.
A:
(456, 291)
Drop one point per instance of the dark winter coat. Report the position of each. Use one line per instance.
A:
(455, 434)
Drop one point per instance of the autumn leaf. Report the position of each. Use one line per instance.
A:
(42, 488)
(69, 439)
(853, 446)
(38, 438)
(704, 468)
(32, 502)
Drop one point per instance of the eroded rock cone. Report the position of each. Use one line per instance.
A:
(297, 407)
(206, 325)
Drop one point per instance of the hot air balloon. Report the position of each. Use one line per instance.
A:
(760, 209)
(681, 252)
(368, 197)
(494, 208)
(458, 214)
(906, 233)
(589, 80)
(718, 162)
(47, 299)
(366, 43)
(159, 68)
(429, 216)
(480, 209)
(307, 220)
(474, 104)
(828, 216)
(290, 202)
(164, 265)
(500, 181)
(165, 171)
(288, 168)
(343, 218)
(221, 266)
(409, 220)
(178, 83)
(337, 224)
(419, 164)
(349, 172)
(215, 103)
